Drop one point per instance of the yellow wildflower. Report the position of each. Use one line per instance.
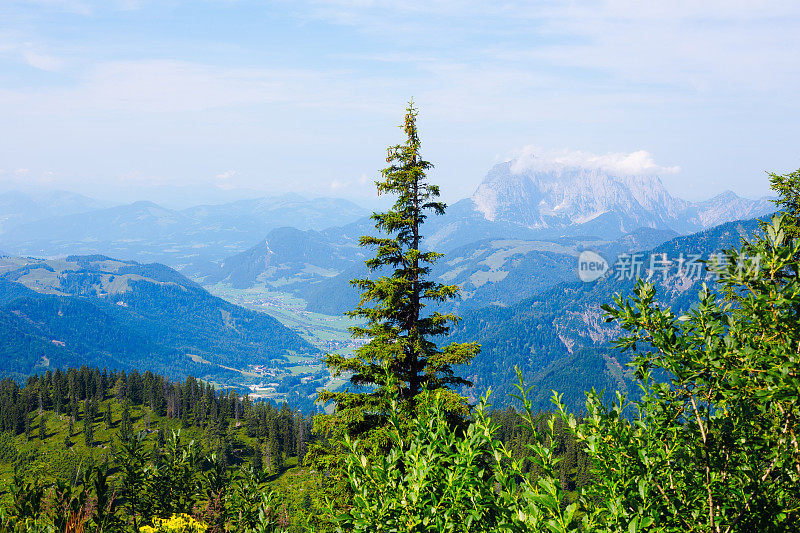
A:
(178, 523)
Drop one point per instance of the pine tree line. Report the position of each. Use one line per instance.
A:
(85, 396)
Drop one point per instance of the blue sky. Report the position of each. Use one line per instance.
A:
(125, 99)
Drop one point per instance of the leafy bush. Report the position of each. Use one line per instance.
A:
(714, 446)
(438, 478)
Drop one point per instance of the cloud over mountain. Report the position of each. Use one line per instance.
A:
(639, 163)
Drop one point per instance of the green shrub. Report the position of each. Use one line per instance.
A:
(714, 446)
(438, 478)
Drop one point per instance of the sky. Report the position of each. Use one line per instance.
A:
(206, 100)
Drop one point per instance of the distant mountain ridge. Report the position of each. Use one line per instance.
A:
(288, 255)
(318, 266)
(512, 203)
(574, 199)
(18, 208)
(192, 240)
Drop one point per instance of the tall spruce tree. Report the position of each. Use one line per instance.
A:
(402, 358)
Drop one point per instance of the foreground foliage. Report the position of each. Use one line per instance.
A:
(436, 478)
(172, 495)
(711, 444)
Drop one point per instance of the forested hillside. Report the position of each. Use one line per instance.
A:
(559, 338)
(125, 315)
(63, 426)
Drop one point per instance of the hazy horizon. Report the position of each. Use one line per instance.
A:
(184, 196)
(117, 98)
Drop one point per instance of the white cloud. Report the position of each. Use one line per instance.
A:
(362, 185)
(86, 7)
(225, 181)
(42, 61)
(30, 51)
(639, 163)
(681, 44)
(160, 86)
(171, 86)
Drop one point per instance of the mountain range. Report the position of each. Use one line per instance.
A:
(590, 201)
(193, 240)
(559, 338)
(512, 248)
(518, 235)
(18, 208)
(122, 314)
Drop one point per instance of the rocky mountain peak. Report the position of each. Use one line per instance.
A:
(568, 196)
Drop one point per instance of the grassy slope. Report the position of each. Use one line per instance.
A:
(51, 459)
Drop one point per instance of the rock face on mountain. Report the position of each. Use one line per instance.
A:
(592, 201)
(729, 206)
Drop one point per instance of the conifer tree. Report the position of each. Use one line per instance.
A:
(401, 357)
(88, 422)
(252, 423)
(57, 399)
(73, 406)
(27, 426)
(125, 425)
(302, 437)
(274, 458)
